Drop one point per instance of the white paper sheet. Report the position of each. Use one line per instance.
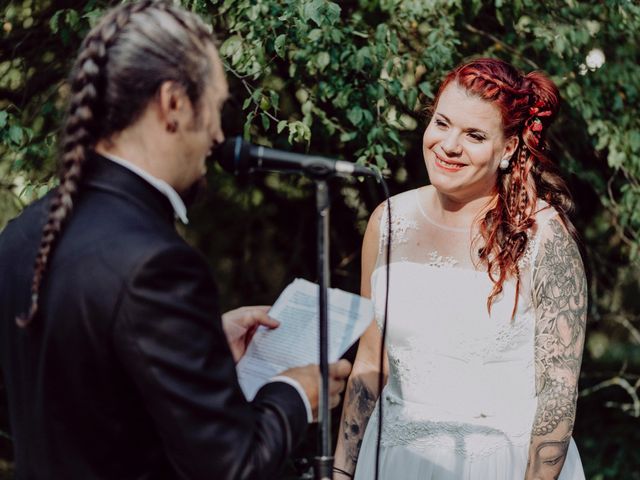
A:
(296, 341)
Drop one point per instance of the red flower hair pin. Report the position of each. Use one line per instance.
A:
(534, 123)
(536, 110)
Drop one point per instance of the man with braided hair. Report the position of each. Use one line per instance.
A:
(116, 360)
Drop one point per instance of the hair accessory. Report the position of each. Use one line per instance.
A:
(534, 123)
(504, 163)
(536, 110)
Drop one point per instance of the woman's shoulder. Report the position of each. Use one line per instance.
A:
(402, 218)
(549, 224)
(401, 203)
(544, 211)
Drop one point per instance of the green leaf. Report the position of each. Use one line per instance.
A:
(412, 98)
(16, 134)
(355, 116)
(307, 107)
(282, 124)
(247, 125)
(312, 11)
(3, 118)
(231, 45)
(279, 44)
(634, 141)
(322, 60)
(274, 99)
(93, 16)
(266, 121)
(333, 12)
(315, 35)
(336, 35)
(54, 21)
(72, 19)
(348, 136)
(363, 58)
(257, 94)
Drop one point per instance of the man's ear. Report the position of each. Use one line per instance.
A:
(173, 104)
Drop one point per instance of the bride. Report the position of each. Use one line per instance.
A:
(487, 301)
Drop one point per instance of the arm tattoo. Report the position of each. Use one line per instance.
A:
(560, 299)
(558, 402)
(360, 403)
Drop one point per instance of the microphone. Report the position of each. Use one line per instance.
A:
(240, 157)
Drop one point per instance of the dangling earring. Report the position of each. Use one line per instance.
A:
(504, 163)
(172, 126)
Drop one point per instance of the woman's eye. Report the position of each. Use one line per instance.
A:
(440, 123)
(477, 137)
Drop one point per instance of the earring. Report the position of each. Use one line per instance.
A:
(172, 126)
(504, 163)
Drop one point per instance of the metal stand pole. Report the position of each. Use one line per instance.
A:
(323, 462)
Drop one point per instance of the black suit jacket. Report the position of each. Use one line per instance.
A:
(125, 373)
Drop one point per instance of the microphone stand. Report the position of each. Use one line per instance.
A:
(324, 461)
(238, 156)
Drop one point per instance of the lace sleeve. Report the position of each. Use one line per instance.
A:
(400, 225)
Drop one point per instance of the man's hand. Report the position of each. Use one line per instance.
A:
(241, 324)
(309, 378)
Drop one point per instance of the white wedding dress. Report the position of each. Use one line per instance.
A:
(460, 399)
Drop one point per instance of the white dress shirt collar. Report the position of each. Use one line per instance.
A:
(179, 208)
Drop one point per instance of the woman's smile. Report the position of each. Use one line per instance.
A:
(448, 165)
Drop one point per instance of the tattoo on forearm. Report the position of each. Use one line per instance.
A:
(559, 447)
(547, 459)
(560, 296)
(557, 404)
(360, 404)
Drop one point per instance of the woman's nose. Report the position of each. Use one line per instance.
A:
(450, 145)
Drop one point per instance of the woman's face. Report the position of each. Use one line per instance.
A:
(463, 145)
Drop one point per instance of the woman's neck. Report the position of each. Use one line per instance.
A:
(456, 212)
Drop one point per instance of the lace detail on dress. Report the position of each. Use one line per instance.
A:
(497, 342)
(438, 261)
(465, 439)
(400, 225)
(525, 260)
(401, 358)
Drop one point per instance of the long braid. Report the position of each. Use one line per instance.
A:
(79, 134)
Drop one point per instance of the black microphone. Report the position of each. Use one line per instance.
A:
(240, 157)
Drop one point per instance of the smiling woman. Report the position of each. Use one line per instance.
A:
(465, 137)
(487, 299)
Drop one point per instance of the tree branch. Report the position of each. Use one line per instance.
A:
(622, 383)
(504, 45)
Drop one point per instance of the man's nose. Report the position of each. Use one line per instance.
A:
(218, 136)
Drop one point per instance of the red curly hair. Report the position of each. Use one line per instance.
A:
(528, 104)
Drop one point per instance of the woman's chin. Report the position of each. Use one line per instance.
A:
(443, 183)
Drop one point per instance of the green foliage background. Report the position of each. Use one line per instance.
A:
(354, 79)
